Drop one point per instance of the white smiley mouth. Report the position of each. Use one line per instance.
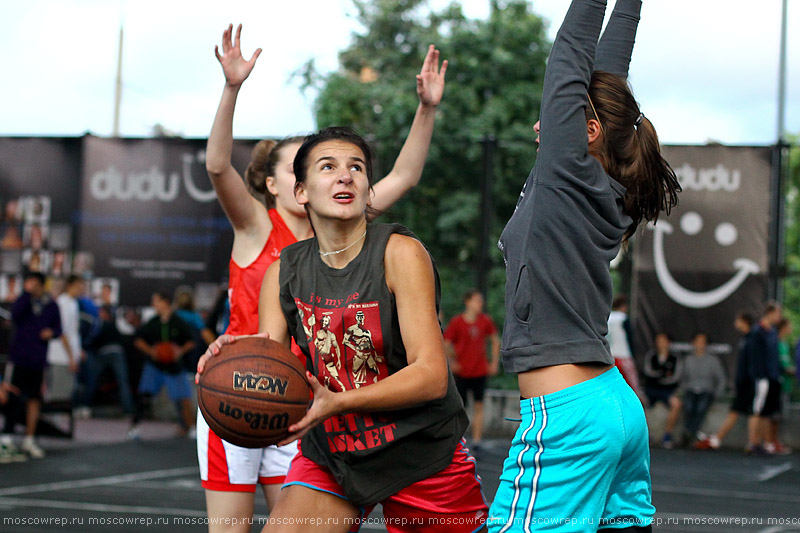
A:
(682, 295)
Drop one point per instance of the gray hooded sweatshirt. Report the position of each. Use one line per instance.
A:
(568, 224)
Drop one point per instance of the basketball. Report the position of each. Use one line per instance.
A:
(252, 391)
(166, 352)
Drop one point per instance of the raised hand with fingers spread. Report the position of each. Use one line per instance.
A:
(235, 67)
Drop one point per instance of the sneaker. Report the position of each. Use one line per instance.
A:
(704, 444)
(10, 454)
(30, 447)
(754, 450)
(133, 433)
(666, 442)
(713, 440)
(776, 448)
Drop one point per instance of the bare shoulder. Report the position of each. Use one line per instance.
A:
(406, 259)
(404, 248)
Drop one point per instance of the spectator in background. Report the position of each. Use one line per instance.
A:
(743, 386)
(8, 393)
(107, 350)
(662, 374)
(219, 317)
(36, 319)
(465, 339)
(88, 326)
(764, 371)
(64, 353)
(202, 337)
(703, 379)
(620, 342)
(165, 339)
(773, 445)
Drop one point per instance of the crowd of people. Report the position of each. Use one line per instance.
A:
(688, 384)
(66, 347)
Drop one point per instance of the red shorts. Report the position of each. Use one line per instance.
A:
(449, 501)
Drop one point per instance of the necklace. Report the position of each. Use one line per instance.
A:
(326, 254)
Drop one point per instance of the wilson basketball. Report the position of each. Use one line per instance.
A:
(166, 352)
(252, 391)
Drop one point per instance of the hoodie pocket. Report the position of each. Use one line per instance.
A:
(521, 305)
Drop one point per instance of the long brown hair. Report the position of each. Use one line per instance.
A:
(263, 160)
(631, 153)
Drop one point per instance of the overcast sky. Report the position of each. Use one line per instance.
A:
(702, 69)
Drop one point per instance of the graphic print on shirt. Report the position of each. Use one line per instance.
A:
(346, 345)
(366, 358)
(327, 349)
(306, 318)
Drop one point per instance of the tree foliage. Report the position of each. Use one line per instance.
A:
(494, 84)
(791, 296)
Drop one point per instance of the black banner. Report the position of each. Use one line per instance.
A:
(137, 215)
(708, 261)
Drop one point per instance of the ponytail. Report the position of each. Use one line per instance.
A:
(263, 160)
(631, 153)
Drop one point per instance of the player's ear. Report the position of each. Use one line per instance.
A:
(300, 193)
(593, 130)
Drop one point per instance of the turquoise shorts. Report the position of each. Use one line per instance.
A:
(580, 461)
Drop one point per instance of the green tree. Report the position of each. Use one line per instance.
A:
(792, 232)
(494, 84)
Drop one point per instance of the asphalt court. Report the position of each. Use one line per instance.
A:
(152, 485)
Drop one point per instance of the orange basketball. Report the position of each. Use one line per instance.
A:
(252, 391)
(166, 352)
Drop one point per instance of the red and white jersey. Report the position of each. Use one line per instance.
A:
(245, 282)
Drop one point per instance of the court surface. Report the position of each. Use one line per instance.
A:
(99, 481)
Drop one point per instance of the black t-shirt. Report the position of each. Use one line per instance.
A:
(354, 341)
(174, 330)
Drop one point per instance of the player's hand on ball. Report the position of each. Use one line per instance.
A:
(214, 348)
(326, 404)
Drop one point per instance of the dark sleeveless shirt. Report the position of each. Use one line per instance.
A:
(345, 322)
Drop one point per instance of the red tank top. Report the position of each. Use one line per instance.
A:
(244, 283)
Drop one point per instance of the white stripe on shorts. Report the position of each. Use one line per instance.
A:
(537, 466)
(760, 396)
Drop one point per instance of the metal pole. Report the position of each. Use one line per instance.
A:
(777, 271)
(489, 143)
(118, 88)
(782, 78)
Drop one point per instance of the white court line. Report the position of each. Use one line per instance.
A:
(108, 480)
(100, 507)
(739, 494)
(774, 471)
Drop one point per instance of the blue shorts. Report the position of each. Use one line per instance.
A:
(153, 379)
(579, 461)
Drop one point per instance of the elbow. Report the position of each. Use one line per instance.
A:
(437, 389)
(214, 170)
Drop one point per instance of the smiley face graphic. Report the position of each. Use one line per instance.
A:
(725, 234)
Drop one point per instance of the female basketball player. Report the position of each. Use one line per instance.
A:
(261, 229)
(580, 459)
(394, 435)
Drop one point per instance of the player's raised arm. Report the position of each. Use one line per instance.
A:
(408, 167)
(240, 207)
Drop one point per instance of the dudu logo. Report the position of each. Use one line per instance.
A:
(152, 184)
(725, 234)
(714, 179)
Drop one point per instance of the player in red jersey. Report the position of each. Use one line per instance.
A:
(262, 228)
